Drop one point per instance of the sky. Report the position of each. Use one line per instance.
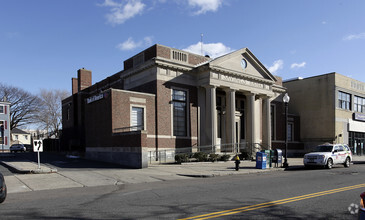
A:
(43, 43)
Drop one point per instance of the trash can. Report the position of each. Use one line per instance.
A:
(260, 160)
(269, 157)
(278, 157)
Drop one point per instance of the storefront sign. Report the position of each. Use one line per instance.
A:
(359, 117)
(94, 98)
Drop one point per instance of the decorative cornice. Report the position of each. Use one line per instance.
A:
(160, 62)
(173, 64)
(240, 75)
(277, 88)
(133, 71)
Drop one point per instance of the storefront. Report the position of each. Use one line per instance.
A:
(357, 134)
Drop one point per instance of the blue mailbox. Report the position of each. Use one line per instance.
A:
(261, 160)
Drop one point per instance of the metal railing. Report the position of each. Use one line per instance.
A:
(168, 155)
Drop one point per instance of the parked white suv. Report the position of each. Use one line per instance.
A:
(329, 154)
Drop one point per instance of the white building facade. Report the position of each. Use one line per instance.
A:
(5, 124)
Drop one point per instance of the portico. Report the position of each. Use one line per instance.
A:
(235, 93)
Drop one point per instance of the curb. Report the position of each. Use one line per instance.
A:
(197, 175)
(31, 171)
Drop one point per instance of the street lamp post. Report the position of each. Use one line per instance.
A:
(286, 100)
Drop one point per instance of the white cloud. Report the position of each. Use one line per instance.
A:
(277, 65)
(120, 12)
(298, 65)
(355, 36)
(110, 3)
(148, 40)
(130, 44)
(205, 5)
(213, 49)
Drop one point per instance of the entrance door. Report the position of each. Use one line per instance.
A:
(359, 147)
(237, 133)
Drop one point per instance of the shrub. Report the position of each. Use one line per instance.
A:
(180, 158)
(200, 156)
(244, 155)
(225, 157)
(213, 157)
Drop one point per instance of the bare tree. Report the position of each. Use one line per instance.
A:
(50, 114)
(23, 105)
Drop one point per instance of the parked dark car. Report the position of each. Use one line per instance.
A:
(17, 147)
(3, 189)
(28, 147)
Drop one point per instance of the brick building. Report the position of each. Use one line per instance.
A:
(167, 101)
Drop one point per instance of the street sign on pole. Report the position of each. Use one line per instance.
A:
(38, 147)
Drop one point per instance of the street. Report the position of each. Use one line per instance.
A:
(292, 194)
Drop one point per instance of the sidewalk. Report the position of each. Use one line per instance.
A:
(48, 178)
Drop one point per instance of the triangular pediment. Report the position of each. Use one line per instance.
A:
(242, 62)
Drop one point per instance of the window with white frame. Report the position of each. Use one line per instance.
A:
(137, 119)
(344, 100)
(2, 109)
(359, 104)
(179, 101)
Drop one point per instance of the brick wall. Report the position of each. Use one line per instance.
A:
(84, 79)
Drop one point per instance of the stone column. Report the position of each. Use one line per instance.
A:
(251, 123)
(211, 116)
(266, 123)
(230, 119)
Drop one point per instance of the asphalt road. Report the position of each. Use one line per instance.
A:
(294, 194)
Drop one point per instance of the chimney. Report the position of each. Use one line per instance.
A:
(74, 85)
(84, 79)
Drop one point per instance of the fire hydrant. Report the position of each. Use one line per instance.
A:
(237, 162)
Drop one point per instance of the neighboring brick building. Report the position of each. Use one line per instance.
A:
(5, 123)
(167, 100)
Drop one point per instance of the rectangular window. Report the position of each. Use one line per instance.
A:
(272, 114)
(242, 111)
(137, 119)
(68, 114)
(219, 116)
(179, 100)
(1, 138)
(290, 131)
(16, 137)
(2, 109)
(359, 104)
(344, 100)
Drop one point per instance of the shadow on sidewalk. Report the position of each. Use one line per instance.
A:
(59, 160)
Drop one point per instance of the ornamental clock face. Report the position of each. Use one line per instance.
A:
(243, 64)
